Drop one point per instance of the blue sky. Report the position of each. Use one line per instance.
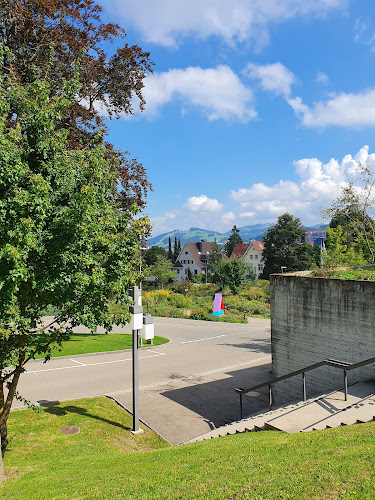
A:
(254, 108)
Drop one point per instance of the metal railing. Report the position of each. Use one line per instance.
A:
(327, 362)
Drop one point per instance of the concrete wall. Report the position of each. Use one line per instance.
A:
(313, 319)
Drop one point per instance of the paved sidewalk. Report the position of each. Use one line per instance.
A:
(187, 408)
(191, 403)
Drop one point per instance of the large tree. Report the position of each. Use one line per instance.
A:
(229, 272)
(354, 211)
(64, 239)
(285, 246)
(233, 240)
(152, 254)
(341, 250)
(110, 78)
(162, 270)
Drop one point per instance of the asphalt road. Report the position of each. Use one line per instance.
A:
(186, 386)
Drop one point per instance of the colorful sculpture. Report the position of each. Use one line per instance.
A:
(219, 309)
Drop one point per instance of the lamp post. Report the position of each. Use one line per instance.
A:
(207, 254)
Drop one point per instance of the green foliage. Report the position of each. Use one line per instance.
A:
(338, 253)
(232, 241)
(64, 242)
(179, 300)
(354, 209)
(162, 270)
(345, 274)
(153, 253)
(170, 252)
(253, 293)
(199, 314)
(182, 285)
(198, 303)
(284, 245)
(176, 248)
(229, 272)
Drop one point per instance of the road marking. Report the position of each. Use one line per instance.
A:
(75, 361)
(81, 365)
(200, 340)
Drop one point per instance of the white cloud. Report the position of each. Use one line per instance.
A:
(344, 110)
(218, 92)
(203, 204)
(359, 28)
(165, 22)
(321, 78)
(317, 186)
(274, 78)
(228, 218)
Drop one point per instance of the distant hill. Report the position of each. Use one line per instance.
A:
(247, 233)
(192, 234)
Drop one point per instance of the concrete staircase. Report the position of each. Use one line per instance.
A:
(327, 411)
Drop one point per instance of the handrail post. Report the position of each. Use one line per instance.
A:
(270, 395)
(346, 384)
(241, 406)
(304, 386)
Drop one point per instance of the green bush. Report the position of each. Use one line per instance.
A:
(236, 302)
(174, 312)
(258, 308)
(178, 300)
(203, 290)
(253, 293)
(199, 314)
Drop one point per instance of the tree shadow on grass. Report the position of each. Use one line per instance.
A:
(52, 408)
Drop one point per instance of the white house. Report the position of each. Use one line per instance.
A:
(193, 260)
(251, 253)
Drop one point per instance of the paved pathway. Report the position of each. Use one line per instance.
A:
(186, 386)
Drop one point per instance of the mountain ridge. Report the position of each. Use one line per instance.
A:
(247, 233)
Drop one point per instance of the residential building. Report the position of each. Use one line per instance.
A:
(193, 260)
(251, 253)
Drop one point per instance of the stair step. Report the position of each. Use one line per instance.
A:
(328, 411)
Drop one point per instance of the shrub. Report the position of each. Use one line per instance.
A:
(256, 307)
(254, 293)
(236, 302)
(198, 314)
(174, 312)
(178, 300)
(182, 285)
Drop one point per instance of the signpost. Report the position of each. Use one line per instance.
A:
(136, 312)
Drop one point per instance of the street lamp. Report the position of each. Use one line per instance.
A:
(207, 254)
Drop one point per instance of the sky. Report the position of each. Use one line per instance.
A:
(254, 108)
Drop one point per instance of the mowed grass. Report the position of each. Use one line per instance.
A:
(105, 461)
(83, 343)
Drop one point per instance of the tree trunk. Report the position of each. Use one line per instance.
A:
(3, 438)
(2, 474)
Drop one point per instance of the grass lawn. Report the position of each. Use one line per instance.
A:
(83, 343)
(105, 461)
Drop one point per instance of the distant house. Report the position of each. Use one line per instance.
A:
(193, 260)
(251, 253)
